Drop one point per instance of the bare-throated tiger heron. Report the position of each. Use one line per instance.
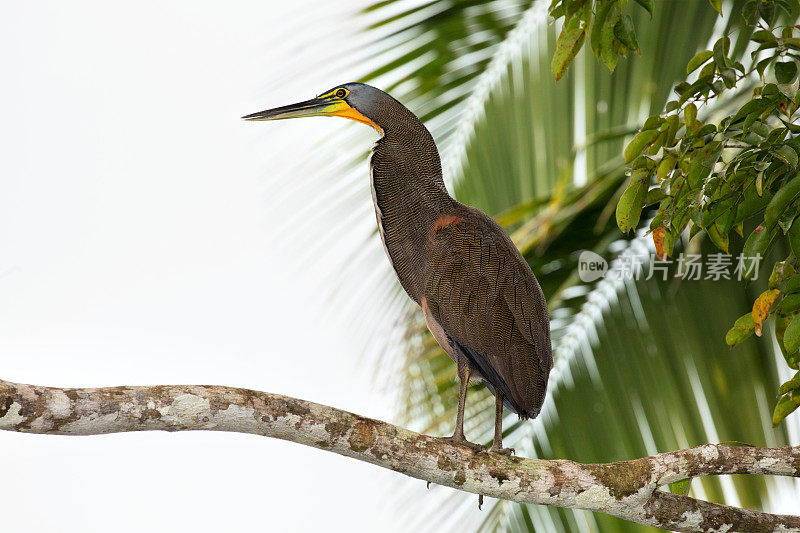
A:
(479, 297)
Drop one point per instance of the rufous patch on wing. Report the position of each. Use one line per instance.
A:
(445, 222)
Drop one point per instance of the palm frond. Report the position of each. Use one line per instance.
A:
(545, 159)
(514, 167)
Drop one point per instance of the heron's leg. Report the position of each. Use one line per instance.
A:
(458, 434)
(497, 445)
(463, 376)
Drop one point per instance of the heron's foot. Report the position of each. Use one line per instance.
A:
(459, 440)
(502, 451)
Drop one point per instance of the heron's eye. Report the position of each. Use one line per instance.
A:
(341, 93)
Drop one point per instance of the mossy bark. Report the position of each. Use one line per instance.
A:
(628, 489)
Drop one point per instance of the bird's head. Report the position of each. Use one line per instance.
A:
(355, 101)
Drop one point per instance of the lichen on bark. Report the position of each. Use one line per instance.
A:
(627, 489)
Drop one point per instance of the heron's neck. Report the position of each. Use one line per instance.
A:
(409, 196)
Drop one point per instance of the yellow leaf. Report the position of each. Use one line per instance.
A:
(762, 306)
(659, 235)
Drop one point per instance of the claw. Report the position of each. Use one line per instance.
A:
(461, 441)
(480, 501)
(502, 451)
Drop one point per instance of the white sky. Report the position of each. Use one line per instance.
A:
(137, 246)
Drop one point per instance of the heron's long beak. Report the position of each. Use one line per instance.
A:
(326, 106)
(310, 108)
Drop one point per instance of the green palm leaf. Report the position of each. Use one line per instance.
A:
(640, 367)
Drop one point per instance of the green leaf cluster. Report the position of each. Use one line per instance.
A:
(735, 173)
(609, 29)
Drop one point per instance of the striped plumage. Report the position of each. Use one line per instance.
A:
(485, 297)
(479, 297)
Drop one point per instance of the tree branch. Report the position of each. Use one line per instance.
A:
(627, 489)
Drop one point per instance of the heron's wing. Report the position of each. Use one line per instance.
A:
(487, 300)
